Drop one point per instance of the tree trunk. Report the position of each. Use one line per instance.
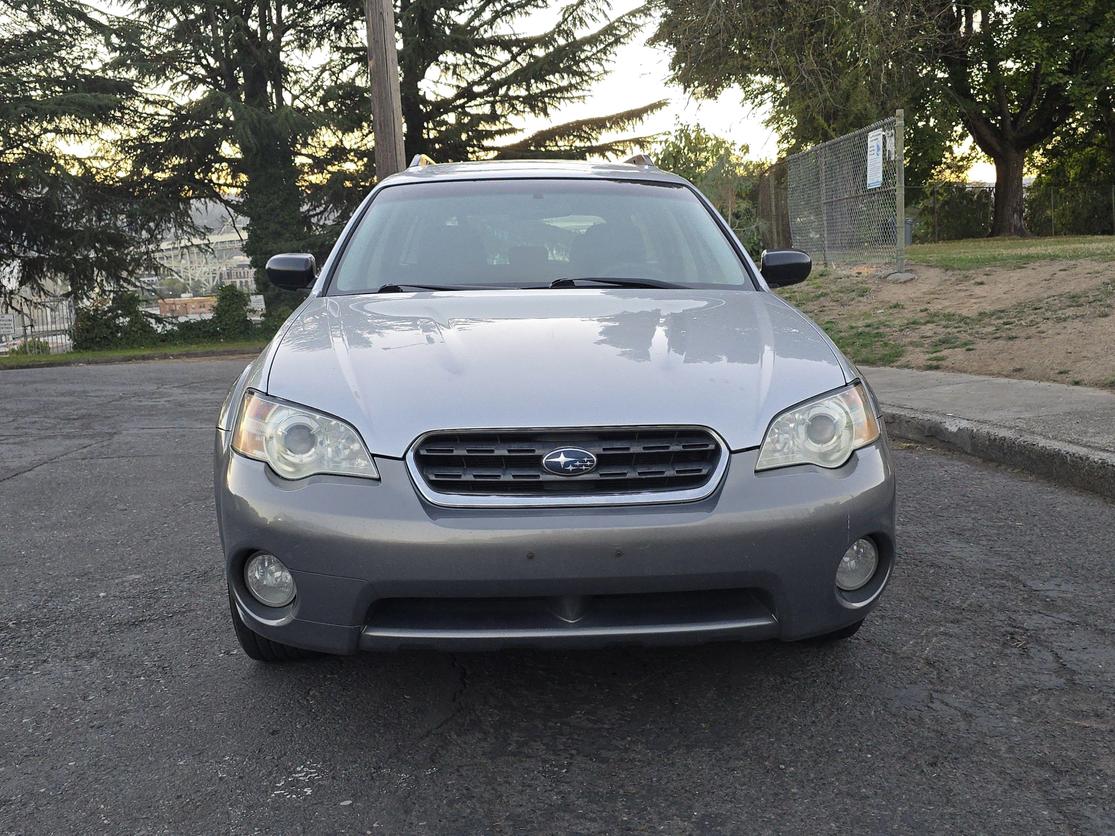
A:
(1008, 194)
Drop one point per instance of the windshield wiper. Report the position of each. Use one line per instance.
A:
(409, 288)
(570, 282)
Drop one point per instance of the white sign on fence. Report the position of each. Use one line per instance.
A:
(255, 303)
(7, 325)
(875, 159)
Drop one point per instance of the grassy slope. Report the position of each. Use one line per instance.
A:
(875, 325)
(23, 361)
(974, 253)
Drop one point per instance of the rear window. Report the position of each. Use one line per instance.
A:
(529, 232)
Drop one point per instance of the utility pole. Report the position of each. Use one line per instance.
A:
(383, 67)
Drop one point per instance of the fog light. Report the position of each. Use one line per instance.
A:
(269, 581)
(857, 566)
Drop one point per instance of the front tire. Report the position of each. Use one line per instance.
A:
(259, 648)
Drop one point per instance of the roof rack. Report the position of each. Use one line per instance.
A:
(643, 160)
(420, 161)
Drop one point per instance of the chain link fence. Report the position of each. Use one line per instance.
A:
(842, 201)
(36, 326)
(950, 210)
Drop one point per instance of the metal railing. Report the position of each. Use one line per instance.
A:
(36, 326)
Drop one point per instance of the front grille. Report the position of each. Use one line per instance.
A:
(509, 463)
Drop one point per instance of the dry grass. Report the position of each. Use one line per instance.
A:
(1046, 319)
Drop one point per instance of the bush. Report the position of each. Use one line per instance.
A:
(1056, 206)
(122, 323)
(119, 323)
(950, 211)
(32, 346)
(191, 331)
(230, 315)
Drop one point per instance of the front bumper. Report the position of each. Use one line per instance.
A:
(379, 568)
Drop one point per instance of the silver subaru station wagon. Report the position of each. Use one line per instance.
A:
(547, 404)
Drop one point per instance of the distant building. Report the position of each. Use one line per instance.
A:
(240, 275)
(188, 307)
(206, 262)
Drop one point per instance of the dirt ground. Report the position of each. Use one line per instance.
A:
(1048, 320)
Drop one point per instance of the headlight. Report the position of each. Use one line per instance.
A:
(824, 431)
(298, 442)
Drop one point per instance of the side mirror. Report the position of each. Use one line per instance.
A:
(783, 267)
(292, 271)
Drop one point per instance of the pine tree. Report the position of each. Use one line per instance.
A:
(232, 102)
(265, 104)
(468, 73)
(73, 217)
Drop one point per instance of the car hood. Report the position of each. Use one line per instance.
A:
(397, 366)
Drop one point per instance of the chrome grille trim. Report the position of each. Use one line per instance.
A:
(592, 498)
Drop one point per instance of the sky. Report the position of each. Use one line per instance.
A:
(639, 76)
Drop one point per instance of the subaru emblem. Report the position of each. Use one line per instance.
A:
(569, 461)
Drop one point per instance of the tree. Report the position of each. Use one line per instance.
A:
(72, 216)
(1015, 72)
(469, 76)
(263, 104)
(1010, 72)
(483, 74)
(233, 100)
(721, 170)
(822, 69)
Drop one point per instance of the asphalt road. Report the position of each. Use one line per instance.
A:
(980, 697)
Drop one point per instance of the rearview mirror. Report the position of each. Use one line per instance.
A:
(783, 267)
(292, 271)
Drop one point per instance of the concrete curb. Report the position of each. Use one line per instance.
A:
(1087, 468)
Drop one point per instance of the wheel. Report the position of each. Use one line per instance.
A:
(839, 635)
(259, 648)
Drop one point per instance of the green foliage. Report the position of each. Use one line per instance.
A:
(822, 71)
(70, 207)
(119, 322)
(32, 346)
(261, 116)
(868, 343)
(720, 170)
(1057, 205)
(490, 75)
(947, 211)
(1016, 73)
(1074, 191)
(230, 315)
(1010, 74)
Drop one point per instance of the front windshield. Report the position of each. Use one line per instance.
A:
(529, 233)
